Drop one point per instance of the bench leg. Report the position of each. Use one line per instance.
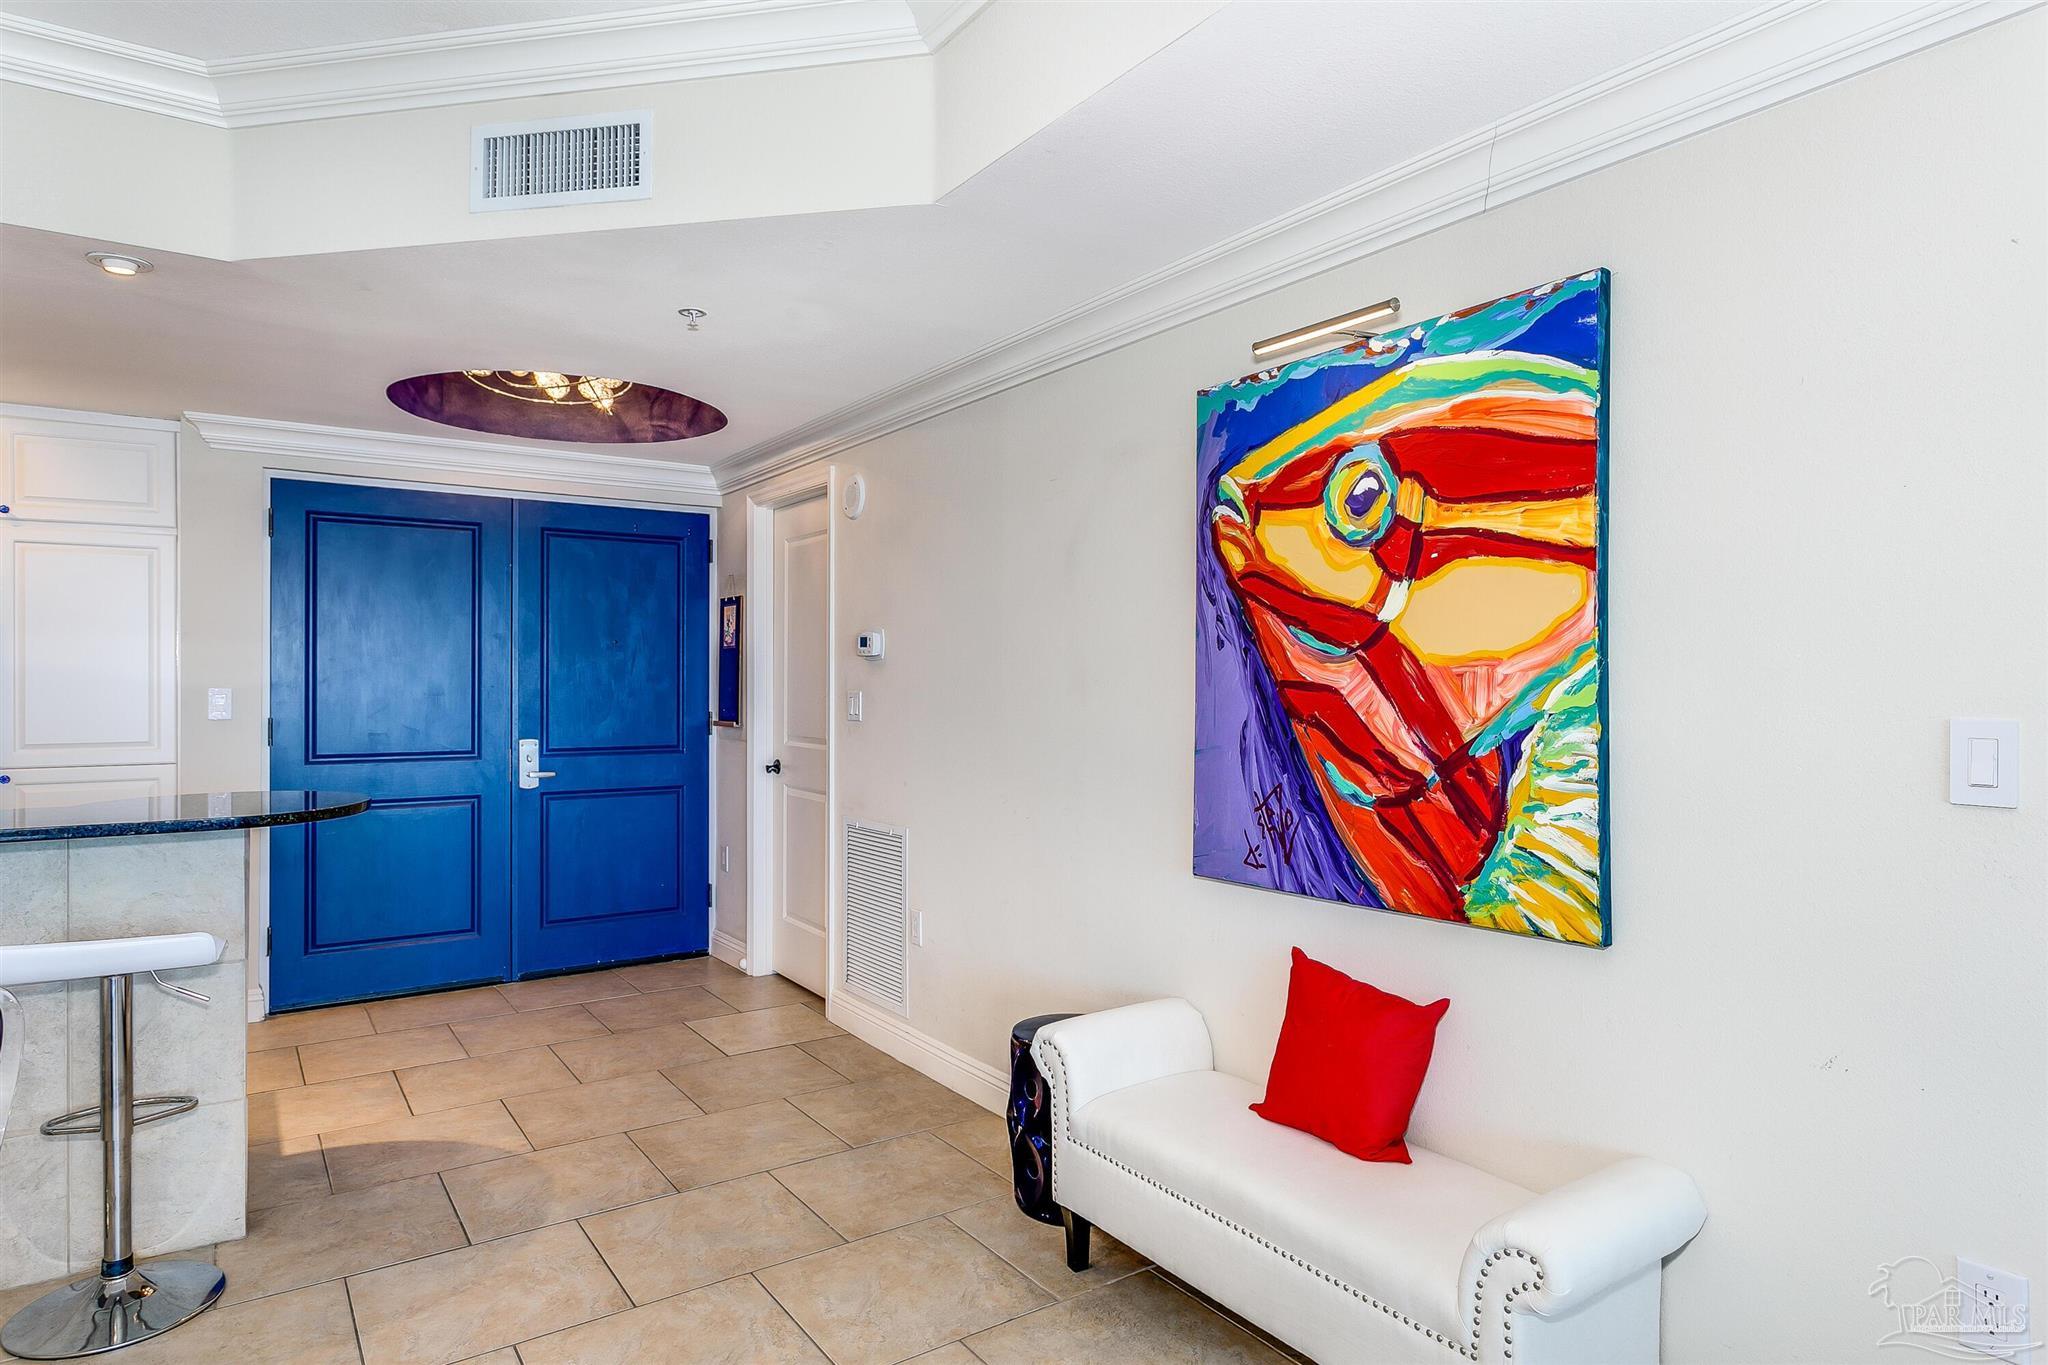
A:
(1077, 1240)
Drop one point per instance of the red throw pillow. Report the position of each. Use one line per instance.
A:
(1350, 1061)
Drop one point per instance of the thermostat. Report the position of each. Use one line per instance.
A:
(868, 644)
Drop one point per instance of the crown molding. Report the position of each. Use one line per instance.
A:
(304, 441)
(1761, 59)
(688, 41)
(947, 24)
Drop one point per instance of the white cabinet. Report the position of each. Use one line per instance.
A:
(88, 646)
(27, 787)
(80, 467)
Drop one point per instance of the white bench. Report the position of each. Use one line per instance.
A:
(1346, 1260)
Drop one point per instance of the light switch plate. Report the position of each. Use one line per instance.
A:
(1983, 762)
(853, 700)
(220, 703)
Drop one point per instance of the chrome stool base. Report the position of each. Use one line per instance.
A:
(98, 1313)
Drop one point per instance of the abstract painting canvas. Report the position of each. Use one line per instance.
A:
(1400, 687)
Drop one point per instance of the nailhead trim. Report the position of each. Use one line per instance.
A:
(1059, 1122)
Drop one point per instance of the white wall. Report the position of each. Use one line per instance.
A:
(1828, 991)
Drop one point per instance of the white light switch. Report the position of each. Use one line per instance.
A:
(1984, 762)
(853, 706)
(220, 703)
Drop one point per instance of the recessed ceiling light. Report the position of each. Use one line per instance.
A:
(114, 263)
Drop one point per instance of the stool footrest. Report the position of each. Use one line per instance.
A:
(80, 1122)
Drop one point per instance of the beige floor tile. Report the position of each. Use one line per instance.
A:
(626, 1013)
(668, 976)
(378, 1052)
(276, 1069)
(734, 1323)
(953, 1353)
(869, 1111)
(515, 1032)
(700, 1236)
(520, 1193)
(854, 1059)
(904, 1292)
(450, 1085)
(310, 1326)
(1040, 1249)
(903, 1180)
(598, 1059)
(734, 1143)
(640, 1100)
(1138, 1318)
(308, 1026)
(763, 992)
(285, 1172)
(442, 1007)
(552, 991)
(985, 1137)
(457, 1305)
(420, 1144)
(758, 1029)
(315, 1240)
(307, 1109)
(753, 1078)
(504, 1355)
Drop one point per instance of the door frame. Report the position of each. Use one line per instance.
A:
(257, 871)
(819, 480)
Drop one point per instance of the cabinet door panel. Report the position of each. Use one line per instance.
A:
(88, 646)
(28, 788)
(105, 474)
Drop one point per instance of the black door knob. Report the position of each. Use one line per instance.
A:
(774, 767)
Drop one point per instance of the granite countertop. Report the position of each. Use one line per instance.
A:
(184, 813)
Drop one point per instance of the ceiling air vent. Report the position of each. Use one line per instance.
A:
(877, 915)
(591, 159)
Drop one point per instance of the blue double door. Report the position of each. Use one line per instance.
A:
(416, 640)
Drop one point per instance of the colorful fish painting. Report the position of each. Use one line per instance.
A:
(1400, 691)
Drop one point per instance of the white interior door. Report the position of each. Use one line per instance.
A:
(800, 739)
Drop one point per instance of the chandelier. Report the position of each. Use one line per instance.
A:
(545, 386)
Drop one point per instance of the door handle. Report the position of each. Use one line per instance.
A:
(530, 771)
(774, 767)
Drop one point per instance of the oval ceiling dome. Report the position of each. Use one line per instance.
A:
(546, 405)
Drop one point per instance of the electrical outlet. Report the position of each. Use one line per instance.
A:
(1994, 1310)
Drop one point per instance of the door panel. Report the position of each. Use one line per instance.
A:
(391, 637)
(800, 714)
(612, 661)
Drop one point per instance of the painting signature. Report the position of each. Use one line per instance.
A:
(1277, 826)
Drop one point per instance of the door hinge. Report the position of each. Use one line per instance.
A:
(710, 893)
(270, 521)
(270, 732)
(266, 940)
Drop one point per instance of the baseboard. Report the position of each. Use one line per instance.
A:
(258, 1009)
(947, 1065)
(728, 949)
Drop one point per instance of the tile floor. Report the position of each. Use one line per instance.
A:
(664, 1163)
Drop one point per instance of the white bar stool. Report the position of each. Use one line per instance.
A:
(120, 1305)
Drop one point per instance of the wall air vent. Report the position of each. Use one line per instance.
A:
(591, 159)
(877, 915)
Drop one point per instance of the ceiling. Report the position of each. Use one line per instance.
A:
(1255, 112)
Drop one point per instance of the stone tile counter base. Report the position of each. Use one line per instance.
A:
(190, 1171)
